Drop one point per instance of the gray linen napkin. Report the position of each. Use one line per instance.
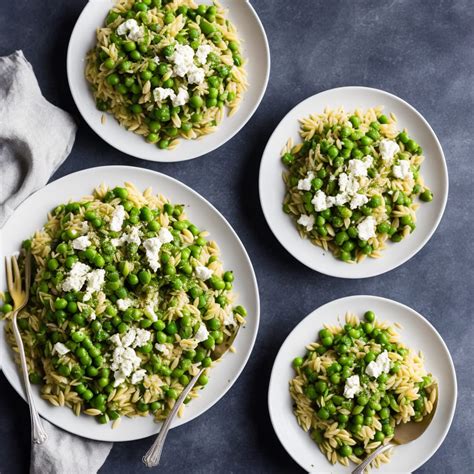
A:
(35, 138)
(65, 453)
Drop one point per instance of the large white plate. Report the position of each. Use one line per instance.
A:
(272, 188)
(417, 333)
(255, 50)
(31, 215)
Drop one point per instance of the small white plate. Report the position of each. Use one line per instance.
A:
(272, 188)
(417, 333)
(255, 50)
(31, 216)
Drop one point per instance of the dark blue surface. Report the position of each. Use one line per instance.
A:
(417, 49)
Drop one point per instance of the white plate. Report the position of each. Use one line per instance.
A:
(255, 50)
(272, 188)
(31, 215)
(417, 333)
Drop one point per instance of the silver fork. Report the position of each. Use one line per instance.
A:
(20, 298)
(153, 455)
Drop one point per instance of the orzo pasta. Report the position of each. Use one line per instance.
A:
(355, 384)
(353, 182)
(128, 300)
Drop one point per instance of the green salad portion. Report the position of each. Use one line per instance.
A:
(167, 69)
(128, 301)
(354, 182)
(355, 384)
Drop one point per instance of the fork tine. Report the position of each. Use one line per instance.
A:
(27, 272)
(16, 273)
(8, 269)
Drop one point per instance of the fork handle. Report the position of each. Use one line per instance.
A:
(153, 455)
(361, 467)
(38, 433)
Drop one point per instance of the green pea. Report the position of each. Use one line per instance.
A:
(341, 237)
(169, 18)
(209, 343)
(332, 151)
(297, 362)
(35, 378)
(396, 237)
(426, 195)
(373, 134)
(369, 316)
(379, 436)
(323, 414)
(196, 102)
(113, 79)
(355, 121)
(72, 307)
(383, 119)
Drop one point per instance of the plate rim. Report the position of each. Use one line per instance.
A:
(178, 421)
(383, 300)
(159, 159)
(326, 270)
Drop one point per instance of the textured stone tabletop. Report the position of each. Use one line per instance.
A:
(422, 51)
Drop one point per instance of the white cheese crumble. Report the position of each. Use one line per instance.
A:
(352, 386)
(60, 348)
(92, 316)
(319, 201)
(182, 59)
(306, 221)
(124, 304)
(379, 366)
(202, 334)
(81, 243)
(132, 238)
(160, 94)
(305, 184)
(150, 311)
(124, 362)
(196, 76)
(76, 278)
(366, 229)
(202, 52)
(348, 184)
(203, 273)
(138, 376)
(358, 200)
(131, 29)
(156, 60)
(152, 247)
(95, 280)
(402, 170)
(165, 236)
(163, 348)
(129, 337)
(388, 149)
(359, 167)
(181, 97)
(115, 339)
(338, 200)
(142, 336)
(183, 64)
(118, 217)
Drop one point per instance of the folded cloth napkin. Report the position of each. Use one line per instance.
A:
(35, 138)
(65, 453)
